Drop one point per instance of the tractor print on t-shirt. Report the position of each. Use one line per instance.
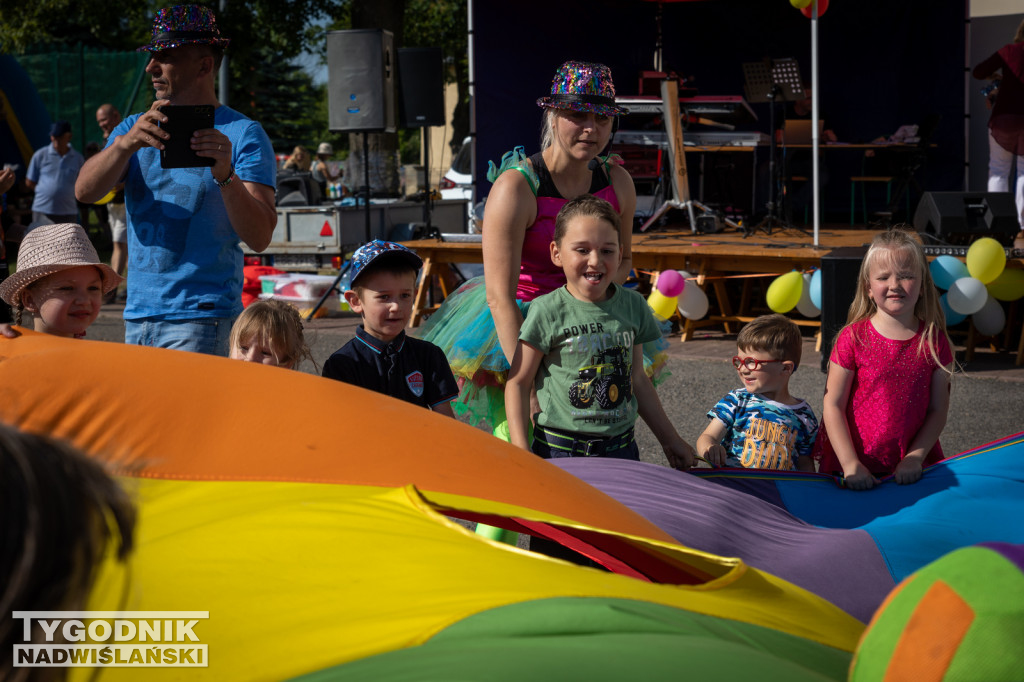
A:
(606, 380)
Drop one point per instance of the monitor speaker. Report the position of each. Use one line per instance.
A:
(962, 217)
(296, 189)
(840, 272)
(361, 81)
(421, 84)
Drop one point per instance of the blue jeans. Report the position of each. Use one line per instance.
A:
(205, 335)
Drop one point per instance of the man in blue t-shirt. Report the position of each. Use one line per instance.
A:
(184, 224)
(51, 174)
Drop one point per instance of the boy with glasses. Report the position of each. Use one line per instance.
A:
(762, 426)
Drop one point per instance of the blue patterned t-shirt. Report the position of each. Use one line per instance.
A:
(764, 434)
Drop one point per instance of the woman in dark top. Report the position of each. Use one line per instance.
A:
(1006, 124)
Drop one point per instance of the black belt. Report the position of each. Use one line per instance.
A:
(576, 446)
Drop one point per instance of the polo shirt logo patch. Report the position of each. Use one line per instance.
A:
(415, 383)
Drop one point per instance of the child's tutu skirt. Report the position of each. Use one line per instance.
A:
(464, 329)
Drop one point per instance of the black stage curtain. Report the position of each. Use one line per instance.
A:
(881, 65)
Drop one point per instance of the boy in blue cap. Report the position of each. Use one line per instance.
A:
(382, 357)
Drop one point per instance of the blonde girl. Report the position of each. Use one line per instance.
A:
(270, 333)
(887, 392)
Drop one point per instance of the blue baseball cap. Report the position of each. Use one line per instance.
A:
(371, 251)
(59, 128)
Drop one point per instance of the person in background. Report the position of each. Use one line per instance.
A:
(298, 160)
(1006, 123)
(321, 169)
(107, 118)
(52, 174)
(7, 179)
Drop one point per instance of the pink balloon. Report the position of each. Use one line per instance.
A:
(671, 283)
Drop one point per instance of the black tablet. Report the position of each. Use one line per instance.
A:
(182, 121)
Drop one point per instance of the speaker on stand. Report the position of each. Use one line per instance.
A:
(421, 105)
(360, 99)
(361, 89)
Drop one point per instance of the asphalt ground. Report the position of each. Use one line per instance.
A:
(987, 399)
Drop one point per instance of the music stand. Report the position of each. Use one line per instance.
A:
(772, 81)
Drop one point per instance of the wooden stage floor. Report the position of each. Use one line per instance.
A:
(726, 265)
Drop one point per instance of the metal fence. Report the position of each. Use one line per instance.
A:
(73, 81)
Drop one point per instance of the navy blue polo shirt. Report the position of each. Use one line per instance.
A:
(409, 369)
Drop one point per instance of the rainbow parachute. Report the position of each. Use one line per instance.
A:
(309, 518)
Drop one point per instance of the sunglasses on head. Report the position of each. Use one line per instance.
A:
(753, 364)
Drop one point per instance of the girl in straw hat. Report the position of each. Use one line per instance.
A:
(60, 280)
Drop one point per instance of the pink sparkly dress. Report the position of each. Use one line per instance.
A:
(889, 397)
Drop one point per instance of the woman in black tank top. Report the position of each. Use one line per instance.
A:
(477, 327)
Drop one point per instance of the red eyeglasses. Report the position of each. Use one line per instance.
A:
(753, 364)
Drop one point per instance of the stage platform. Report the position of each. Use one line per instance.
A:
(725, 265)
(709, 257)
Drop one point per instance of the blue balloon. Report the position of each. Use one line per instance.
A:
(952, 316)
(816, 289)
(946, 270)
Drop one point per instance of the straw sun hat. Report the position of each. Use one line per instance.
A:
(48, 249)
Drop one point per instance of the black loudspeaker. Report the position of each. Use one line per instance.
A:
(421, 84)
(962, 217)
(296, 189)
(840, 272)
(361, 81)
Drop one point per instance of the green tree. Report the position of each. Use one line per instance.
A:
(266, 35)
(113, 24)
(280, 95)
(279, 25)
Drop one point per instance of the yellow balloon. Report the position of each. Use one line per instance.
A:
(663, 306)
(800, 4)
(1008, 286)
(986, 259)
(784, 292)
(107, 197)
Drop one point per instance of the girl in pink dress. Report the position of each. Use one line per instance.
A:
(887, 392)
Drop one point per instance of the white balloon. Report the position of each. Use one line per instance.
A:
(991, 319)
(693, 302)
(966, 295)
(805, 305)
